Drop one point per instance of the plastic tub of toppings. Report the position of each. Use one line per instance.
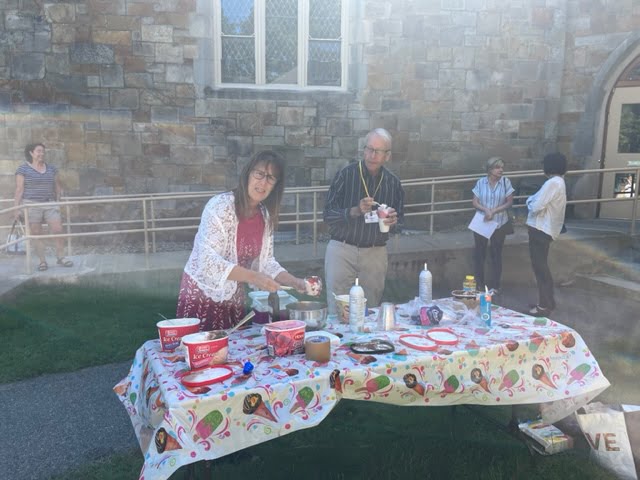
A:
(172, 330)
(205, 349)
(285, 337)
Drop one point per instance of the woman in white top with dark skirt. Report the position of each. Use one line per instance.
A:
(545, 220)
(493, 196)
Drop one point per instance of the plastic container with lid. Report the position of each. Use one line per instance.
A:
(469, 284)
(260, 303)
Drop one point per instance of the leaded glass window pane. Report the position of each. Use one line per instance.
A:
(237, 17)
(281, 57)
(324, 67)
(238, 42)
(324, 19)
(238, 60)
(629, 139)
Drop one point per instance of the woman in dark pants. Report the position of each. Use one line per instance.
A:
(492, 196)
(544, 222)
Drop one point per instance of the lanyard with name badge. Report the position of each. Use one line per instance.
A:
(370, 217)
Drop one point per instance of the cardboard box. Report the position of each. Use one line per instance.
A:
(548, 438)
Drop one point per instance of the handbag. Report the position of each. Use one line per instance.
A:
(16, 234)
(507, 228)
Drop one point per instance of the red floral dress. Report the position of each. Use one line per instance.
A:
(194, 303)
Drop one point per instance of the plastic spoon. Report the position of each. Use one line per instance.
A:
(246, 318)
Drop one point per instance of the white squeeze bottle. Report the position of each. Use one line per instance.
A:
(425, 285)
(356, 308)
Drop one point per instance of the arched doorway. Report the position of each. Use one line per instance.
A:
(622, 147)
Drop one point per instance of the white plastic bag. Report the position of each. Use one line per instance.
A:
(605, 428)
(16, 233)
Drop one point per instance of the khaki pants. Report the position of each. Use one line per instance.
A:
(344, 262)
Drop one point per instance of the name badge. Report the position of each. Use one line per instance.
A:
(371, 217)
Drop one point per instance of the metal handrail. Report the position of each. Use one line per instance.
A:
(150, 223)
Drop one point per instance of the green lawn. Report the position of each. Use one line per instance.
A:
(362, 440)
(58, 328)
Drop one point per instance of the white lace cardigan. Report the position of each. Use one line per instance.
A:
(214, 251)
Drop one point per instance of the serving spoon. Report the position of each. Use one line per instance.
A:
(246, 318)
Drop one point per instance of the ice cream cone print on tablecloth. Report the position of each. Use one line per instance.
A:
(303, 399)
(166, 442)
(411, 381)
(335, 382)
(537, 372)
(253, 405)
(478, 378)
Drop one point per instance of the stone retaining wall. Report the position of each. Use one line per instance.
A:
(121, 91)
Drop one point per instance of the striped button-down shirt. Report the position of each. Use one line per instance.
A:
(494, 197)
(346, 191)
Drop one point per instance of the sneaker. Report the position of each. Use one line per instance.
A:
(538, 311)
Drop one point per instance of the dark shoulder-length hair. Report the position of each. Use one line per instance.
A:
(554, 164)
(272, 202)
(30, 148)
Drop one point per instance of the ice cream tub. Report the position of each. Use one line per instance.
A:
(172, 330)
(205, 349)
(285, 337)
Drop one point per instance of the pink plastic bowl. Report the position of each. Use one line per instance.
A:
(171, 331)
(204, 349)
(285, 337)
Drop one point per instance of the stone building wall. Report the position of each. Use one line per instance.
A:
(121, 91)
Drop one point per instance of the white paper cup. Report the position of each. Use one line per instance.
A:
(384, 228)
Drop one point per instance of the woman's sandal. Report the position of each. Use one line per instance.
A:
(64, 262)
(43, 266)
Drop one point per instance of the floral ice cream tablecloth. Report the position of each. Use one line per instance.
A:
(518, 360)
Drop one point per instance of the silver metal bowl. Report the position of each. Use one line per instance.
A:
(314, 314)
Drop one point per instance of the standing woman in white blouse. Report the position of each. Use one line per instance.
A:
(234, 247)
(493, 196)
(544, 222)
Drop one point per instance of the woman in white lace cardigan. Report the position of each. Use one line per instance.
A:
(234, 247)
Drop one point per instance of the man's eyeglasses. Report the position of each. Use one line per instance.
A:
(261, 175)
(375, 151)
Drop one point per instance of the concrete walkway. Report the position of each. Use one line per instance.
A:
(37, 439)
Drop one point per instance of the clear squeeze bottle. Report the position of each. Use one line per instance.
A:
(425, 285)
(356, 308)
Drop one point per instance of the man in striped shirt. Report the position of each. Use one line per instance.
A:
(357, 248)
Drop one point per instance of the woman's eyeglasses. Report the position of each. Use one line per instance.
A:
(261, 175)
(375, 151)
